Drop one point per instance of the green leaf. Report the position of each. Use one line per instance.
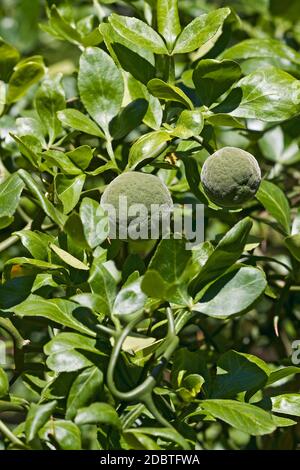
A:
(37, 417)
(147, 147)
(81, 156)
(103, 284)
(57, 158)
(282, 374)
(66, 352)
(49, 99)
(232, 294)
(36, 242)
(205, 29)
(162, 433)
(168, 21)
(94, 222)
(244, 372)
(242, 416)
(79, 121)
(2, 97)
(189, 124)
(4, 384)
(98, 413)
(41, 199)
(30, 147)
(9, 56)
(139, 67)
(129, 118)
(276, 52)
(85, 389)
(69, 259)
(61, 28)
(268, 94)
(288, 404)
(130, 301)
(100, 85)
(293, 245)
(275, 202)
(153, 116)
(26, 73)
(212, 78)
(65, 433)
(167, 274)
(138, 32)
(167, 92)
(57, 310)
(10, 192)
(226, 253)
(69, 190)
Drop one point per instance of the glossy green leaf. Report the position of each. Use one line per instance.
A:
(69, 190)
(239, 373)
(37, 417)
(137, 65)
(9, 56)
(167, 92)
(153, 116)
(268, 94)
(4, 384)
(26, 73)
(65, 433)
(49, 99)
(85, 389)
(100, 85)
(68, 258)
(41, 199)
(293, 245)
(79, 121)
(130, 301)
(10, 192)
(162, 433)
(275, 202)
(129, 118)
(81, 156)
(103, 284)
(189, 124)
(212, 78)
(226, 253)
(282, 373)
(98, 413)
(138, 32)
(232, 294)
(147, 147)
(168, 21)
(243, 416)
(36, 242)
(205, 29)
(272, 50)
(287, 404)
(56, 310)
(94, 221)
(30, 147)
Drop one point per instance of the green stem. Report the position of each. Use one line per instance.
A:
(13, 439)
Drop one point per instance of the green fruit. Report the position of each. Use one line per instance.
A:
(230, 177)
(138, 188)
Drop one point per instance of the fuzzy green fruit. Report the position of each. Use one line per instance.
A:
(230, 177)
(138, 188)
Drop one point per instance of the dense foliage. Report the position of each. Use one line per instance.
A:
(114, 344)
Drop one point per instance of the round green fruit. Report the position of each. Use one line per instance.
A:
(138, 188)
(230, 177)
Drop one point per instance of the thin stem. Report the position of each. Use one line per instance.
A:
(110, 150)
(13, 439)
